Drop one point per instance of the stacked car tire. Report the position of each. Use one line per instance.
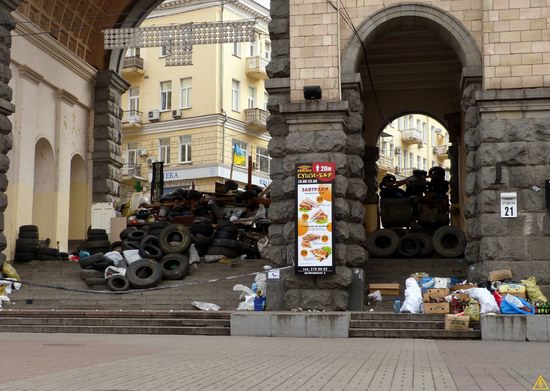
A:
(97, 241)
(27, 243)
(225, 240)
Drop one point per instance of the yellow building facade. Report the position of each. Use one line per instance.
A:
(201, 118)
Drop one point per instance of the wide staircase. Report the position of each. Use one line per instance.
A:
(53, 298)
(391, 325)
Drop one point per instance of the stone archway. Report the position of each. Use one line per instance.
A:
(43, 207)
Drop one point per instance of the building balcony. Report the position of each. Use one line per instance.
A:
(385, 163)
(255, 67)
(131, 170)
(133, 66)
(412, 136)
(256, 120)
(132, 119)
(441, 151)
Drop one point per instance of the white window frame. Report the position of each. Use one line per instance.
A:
(132, 154)
(236, 49)
(133, 100)
(187, 93)
(167, 95)
(252, 48)
(411, 160)
(266, 100)
(418, 166)
(251, 97)
(164, 150)
(405, 159)
(162, 51)
(244, 147)
(235, 95)
(185, 144)
(267, 50)
(262, 152)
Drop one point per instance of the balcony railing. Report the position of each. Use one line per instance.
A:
(256, 119)
(412, 136)
(441, 150)
(132, 65)
(255, 67)
(132, 118)
(131, 170)
(385, 163)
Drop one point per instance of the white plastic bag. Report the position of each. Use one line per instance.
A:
(262, 246)
(131, 256)
(513, 300)
(413, 297)
(261, 282)
(375, 296)
(247, 295)
(201, 305)
(487, 302)
(117, 258)
(112, 270)
(193, 255)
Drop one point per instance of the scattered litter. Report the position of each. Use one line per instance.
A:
(201, 305)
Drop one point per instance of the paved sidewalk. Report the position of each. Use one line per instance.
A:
(146, 362)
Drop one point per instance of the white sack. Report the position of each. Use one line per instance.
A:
(487, 302)
(413, 297)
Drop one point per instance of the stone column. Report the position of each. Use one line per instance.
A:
(107, 160)
(6, 108)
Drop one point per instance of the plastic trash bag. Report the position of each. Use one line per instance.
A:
(117, 258)
(262, 246)
(533, 290)
(472, 310)
(261, 282)
(508, 306)
(203, 306)
(486, 300)
(112, 270)
(193, 255)
(248, 295)
(9, 272)
(131, 256)
(413, 297)
(375, 296)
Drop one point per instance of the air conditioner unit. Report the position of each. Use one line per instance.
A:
(397, 170)
(176, 114)
(142, 152)
(124, 170)
(151, 160)
(398, 150)
(153, 115)
(434, 150)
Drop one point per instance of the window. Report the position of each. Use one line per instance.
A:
(433, 135)
(236, 51)
(263, 161)
(252, 49)
(163, 51)
(133, 100)
(165, 95)
(185, 93)
(405, 122)
(131, 156)
(405, 155)
(266, 100)
(411, 160)
(164, 150)
(399, 162)
(418, 162)
(267, 50)
(132, 52)
(251, 97)
(418, 125)
(424, 163)
(240, 153)
(424, 131)
(185, 149)
(235, 95)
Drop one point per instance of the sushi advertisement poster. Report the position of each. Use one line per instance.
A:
(314, 205)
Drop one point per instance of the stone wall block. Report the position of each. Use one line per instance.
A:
(356, 165)
(355, 144)
(4, 163)
(3, 242)
(514, 248)
(300, 142)
(108, 120)
(106, 186)
(107, 133)
(289, 232)
(530, 200)
(357, 189)
(353, 96)
(280, 48)
(106, 145)
(277, 126)
(471, 139)
(5, 125)
(107, 107)
(341, 231)
(276, 236)
(472, 162)
(291, 254)
(546, 224)
(3, 182)
(341, 186)
(357, 234)
(492, 225)
(3, 202)
(277, 147)
(471, 207)
(107, 94)
(354, 123)
(494, 131)
(289, 188)
(356, 255)
(277, 255)
(513, 154)
(538, 153)
(471, 253)
(5, 71)
(539, 128)
(278, 68)
(470, 184)
(294, 281)
(520, 176)
(539, 249)
(341, 209)
(316, 299)
(108, 171)
(340, 280)
(341, 161)
(277, 170)
(488, 248)
(275, 100)
(6, 92)
(356, 211)
(278, 28)
(472, 230)
(489, 201)
(281, 212)
(276, 190)
(330, 141)
(471, 117)
(487, 177)
(486, 154)
(279, 9)
(340, 254)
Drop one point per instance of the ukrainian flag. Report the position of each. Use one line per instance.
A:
(239, 156)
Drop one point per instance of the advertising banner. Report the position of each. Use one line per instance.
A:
(314, 204)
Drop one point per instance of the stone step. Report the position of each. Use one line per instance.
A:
(117, 314)
(396, 317)
(185, 330)
(405, 324)
(414, 333)
(114, 322)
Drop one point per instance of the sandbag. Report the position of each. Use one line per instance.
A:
(472, 310)
(413, 297)
(533, 290)
(9, 272)
(486, 300)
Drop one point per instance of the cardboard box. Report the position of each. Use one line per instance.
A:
(385, 289)
(437, 308)
(457, 322)
(438, 292)
(499, 275)
(462, 287)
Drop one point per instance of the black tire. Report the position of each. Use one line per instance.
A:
(202, 240)
(88, 261)
(228, 252)
(201, 250)
(136, 235)
(202, 220)
(116, 246)
(174, 266)
(24, 257)
(232, 244)
(96, 238)
(425, 240)
(225, 235)
(143, 274)
(203, 229)
(449, 241)
(149, 250)
(228, 228)
(27, 242)
(98, 250)
(124, 233)
(46, 257)
(145, 228)
(171, 247)
(101, 265)
(98, 244)
(408, 247)
(48, 251)
(63, 255)
(97, 231)
(160, 225)
(129, 245)
(382, 242)
(118, 283)
(27, 249)
(90, 273)
(28, 228)
(155, 232)
(28, 235)
(95, 281)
